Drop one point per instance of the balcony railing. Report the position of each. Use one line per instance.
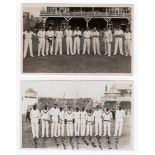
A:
(86, 14)
(117, 98)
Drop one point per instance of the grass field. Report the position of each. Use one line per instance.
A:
(124, 141)
(77, 63)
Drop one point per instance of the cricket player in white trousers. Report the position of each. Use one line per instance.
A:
(127, 42)
(77, 115)
(69, 121)
(118, 34)
(69, 34)
(45, 118)
(28, 42)
(41, 45)
(49, 41)
(89, 122)
(61, 122)
(86, 43)
(35, 120)
(98, 121)
(54, 113)
(95, 41)
(83, 122)
(107, 38)
(119, 121)
(58, 41)
(77, 36)
(107, 115)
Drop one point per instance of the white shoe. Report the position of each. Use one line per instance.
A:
(32, 56)
(109, 55)
(114, 54)
(43, 55)
(121, 53)
(99, 53)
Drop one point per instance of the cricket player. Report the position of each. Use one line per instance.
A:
(107, 115)
(83, 122)
(98, 121)
(118, 34)
(77, 116)
(49, 41)
(58, 41)
(119, 121)
(69, 121)
(28, 114)
(89, 123)
(45, 118)
(127, 42)
(77, 36)
(95, 41)
(54, 113)
(35, 120)
(107, 38)
(61, 122)
(41, 45)
(86, 43)
(28, 42)
(69, 34)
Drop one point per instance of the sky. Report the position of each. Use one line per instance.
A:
(71, 89)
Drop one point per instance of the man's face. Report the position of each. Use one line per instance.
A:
(94, 28)
(106, 28)
(127, 30)
(34, 107)
(120, 108)
(77, 109)
(55, 105)
(45, 107)
(77, 28)
(69, 27)
(50, 28)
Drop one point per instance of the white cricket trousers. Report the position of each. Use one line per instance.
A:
(77, 127)
(69, 45)
(61, 128)
(41, 46)
(107, 47)
(77, 45)
(35, 127)
(86, 46)
(118, 127)
(83, 127)
(28, 43)
(54, 127)
(69, 129)
(98, 127)
(49, 47)
(118, 43)
(107, 124)
(45, 126)
(96, 45)
(127, 44)
(58, 46)
(89, 129)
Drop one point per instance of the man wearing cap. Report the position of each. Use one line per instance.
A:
(107, 41)
(107, 115)
(77, 35)
(69, 34)
(61, 122)
(54, 113)
(95, 41)
(89, 123)
(35, 120)
(28, 42)
(119, 121)
(77, 122)
(86, 43)
(58, 41)
(98, 121)
(127, 42)
(83, 122)
(41, 45)
(118, 35)
(45, 118)
(69, 121)
(49, 41)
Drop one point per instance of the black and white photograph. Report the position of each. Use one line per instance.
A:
(77, 115)
(69, 38)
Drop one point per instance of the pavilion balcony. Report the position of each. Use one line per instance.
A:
(106, 13)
